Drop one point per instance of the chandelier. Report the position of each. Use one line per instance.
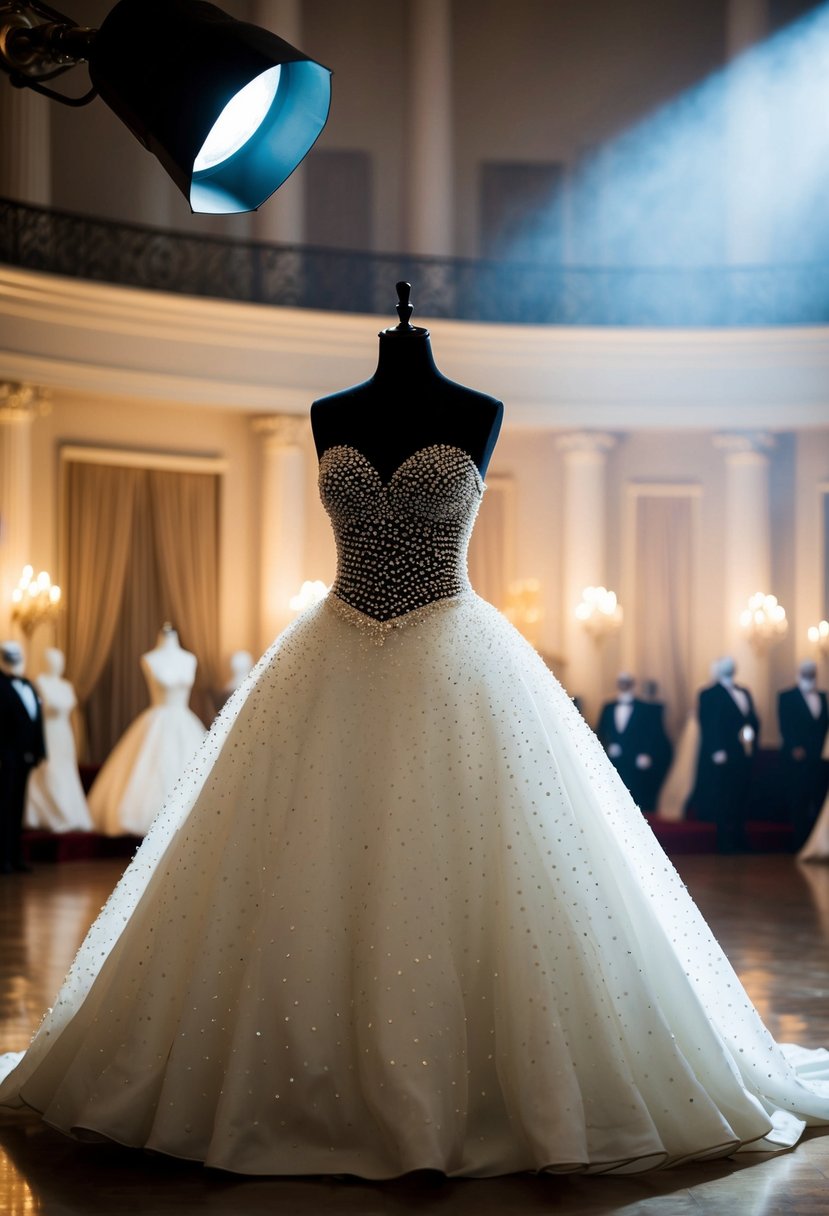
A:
(819, 636)
(34, 600)
(763, 621)
(599, 612)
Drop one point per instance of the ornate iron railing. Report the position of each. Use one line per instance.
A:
(59, 242)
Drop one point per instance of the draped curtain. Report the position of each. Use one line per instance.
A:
(140, 547)
(664, 574)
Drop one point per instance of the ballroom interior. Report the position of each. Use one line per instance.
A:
(612, 219)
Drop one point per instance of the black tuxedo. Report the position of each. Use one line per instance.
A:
(720, 793)
(804, 778)
(644, 734)
(22, 746)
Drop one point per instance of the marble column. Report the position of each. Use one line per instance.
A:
(282, 515)
(747, 555)
(19, 406)
(428, 149)
(25, 153)
(281, 218)
(585, 460)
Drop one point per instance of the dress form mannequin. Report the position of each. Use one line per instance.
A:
(55, 798)
(169, 663)
(241, 662)
(407, 405)
(148, 759)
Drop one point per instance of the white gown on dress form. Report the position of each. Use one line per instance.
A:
(54, 794)
(149, 758)
(816, 847)
(401, 911)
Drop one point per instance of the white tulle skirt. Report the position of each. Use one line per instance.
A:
(401, 913)
(141, 770)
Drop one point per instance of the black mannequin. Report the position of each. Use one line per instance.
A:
(407, 405)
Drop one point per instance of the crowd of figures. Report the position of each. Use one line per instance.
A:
(707, 776)
(712, 769)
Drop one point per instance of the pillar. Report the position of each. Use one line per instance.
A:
(25, 153)
(747, 556)
(282, 515)
(281, 218)
(585, 460)
(428, 147)
(19, 405)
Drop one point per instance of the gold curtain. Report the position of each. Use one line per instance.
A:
(185, 514)
(488, 548)
(140, 547)
(120, 693)
(99, 504)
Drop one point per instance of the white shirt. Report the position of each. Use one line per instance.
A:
(27, 696)
(621, 713)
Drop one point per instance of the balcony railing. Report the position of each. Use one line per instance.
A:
(301, 276)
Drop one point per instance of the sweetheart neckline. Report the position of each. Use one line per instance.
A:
(452, 447)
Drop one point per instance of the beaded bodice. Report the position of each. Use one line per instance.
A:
(400, 545)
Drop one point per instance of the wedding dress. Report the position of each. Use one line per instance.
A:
(816, 847)
(150, 756)
(55, 799)
(402, 913)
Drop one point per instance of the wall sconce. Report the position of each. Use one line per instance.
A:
(228, 108)
(819, 636)
(34, 600)
(524, 608)
(311, 592)
(599, 612)
(763, 621)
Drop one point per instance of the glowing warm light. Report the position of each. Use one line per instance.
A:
(239, 120)
(524, 607)
(819, 636)
(763, 620)
(311, 592)
(34, 600)
(599, 611)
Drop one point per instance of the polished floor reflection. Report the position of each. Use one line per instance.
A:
(771, 915)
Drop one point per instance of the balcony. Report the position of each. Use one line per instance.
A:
(351, 281)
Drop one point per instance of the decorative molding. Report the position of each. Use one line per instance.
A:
(20, 402)
(93, 338)
(745, 447)
(281, 430)
(133, 459)
(586, 445)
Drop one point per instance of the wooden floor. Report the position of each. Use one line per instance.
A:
(770, 914)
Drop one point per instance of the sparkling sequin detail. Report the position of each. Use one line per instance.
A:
(401, 545)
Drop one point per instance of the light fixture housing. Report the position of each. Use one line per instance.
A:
(169, 69)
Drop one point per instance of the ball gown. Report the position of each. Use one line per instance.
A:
(55, 799)
(147, 761)
(401, 912)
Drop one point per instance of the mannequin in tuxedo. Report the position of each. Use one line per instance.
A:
(632, 733)
(22, 747)
(803, 715)
(729, 729)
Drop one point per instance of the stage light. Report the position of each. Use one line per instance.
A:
(228, 108)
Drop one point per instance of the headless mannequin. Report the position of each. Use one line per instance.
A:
(169, 663)
(241, 661)
(53, 688)
(407, 405)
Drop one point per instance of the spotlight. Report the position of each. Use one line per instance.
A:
(228, 108)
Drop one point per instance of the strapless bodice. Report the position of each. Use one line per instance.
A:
(175, 695)
(401, 544)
